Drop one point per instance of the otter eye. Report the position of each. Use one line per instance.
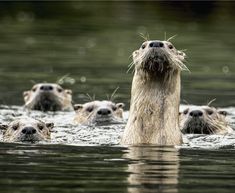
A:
(209, 112)
(59, 89)
(40, 127)
(89, 109)
(114, 108)
(15, 127)
(34, 89)
(170, 46)
(143, 46)
(185, 112)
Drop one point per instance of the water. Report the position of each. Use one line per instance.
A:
(92, 43)
(60, 168)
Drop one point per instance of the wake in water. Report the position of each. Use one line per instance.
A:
(65, 132)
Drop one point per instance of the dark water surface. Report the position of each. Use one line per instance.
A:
(59, 168)
(92, 43)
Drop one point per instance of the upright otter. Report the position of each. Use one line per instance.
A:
(98, 112)
(48, 97)
(155, 95)
(204, 120)
(26, 130)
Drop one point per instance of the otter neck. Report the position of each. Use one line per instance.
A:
(154, 109)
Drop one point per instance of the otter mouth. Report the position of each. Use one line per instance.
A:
(47, 102)
(156, 60)
(197, 126)
(106, 120)
(28, 139)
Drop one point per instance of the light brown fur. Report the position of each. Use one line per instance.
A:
(155, 96)
(88, 113)
(26, 130)
(55, 98)
(204, 120)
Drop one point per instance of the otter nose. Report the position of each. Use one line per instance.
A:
(29, 130)
(46, 88)
(156, 44)
(104, 111)
(196, 113)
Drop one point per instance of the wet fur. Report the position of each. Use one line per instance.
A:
(48, 101)
(155, 96)
(15, 135)
(85, 117)
(215, 123)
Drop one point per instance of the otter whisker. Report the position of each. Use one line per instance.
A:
(89, 97)
(184, 50)
(165, 36)
(113, 94)
(130, 67)
(172, 37)
(145, 37)
(33, 81)
(185, 101)
(211, 101)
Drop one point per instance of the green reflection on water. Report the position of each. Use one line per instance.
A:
(44, 41)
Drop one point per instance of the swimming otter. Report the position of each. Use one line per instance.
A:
(155, 95)
(48, 97)
(204, 120)
(98, 112)
(26, 130)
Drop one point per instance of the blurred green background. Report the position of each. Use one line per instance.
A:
(92, 43)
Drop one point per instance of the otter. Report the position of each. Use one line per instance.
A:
(99, 112)
(26, 130)
(155, 95)
(204, 120)
(48, 97)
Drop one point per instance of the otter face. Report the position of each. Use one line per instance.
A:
(203, 120)
(48, 97)
(26, 130)
(157, 56)
(98, 112)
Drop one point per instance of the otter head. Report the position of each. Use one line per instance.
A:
(99, 112)
(48, 97)
(157, 58)
(203, 120)
(26, 130)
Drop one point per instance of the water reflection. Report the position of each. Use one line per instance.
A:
(43, 41)
(153, 169)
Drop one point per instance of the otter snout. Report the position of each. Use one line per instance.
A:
(104, 112)
(28, 131)
(156, 44)
(196, 113)
(158, 58)
(46, 88)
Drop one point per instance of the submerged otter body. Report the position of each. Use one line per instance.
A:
(26, 130)
(48, 97)
(99, 112)
(155, 95)
(204, 120)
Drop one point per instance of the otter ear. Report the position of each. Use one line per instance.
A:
(26, 93)
(50, 126)
(67, 91)
(77, 107)
(135, 53)
(222, 112)
(120, 105)
(182, 55)
(3, 127)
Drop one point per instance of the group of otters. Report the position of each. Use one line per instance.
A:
(154, 116)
